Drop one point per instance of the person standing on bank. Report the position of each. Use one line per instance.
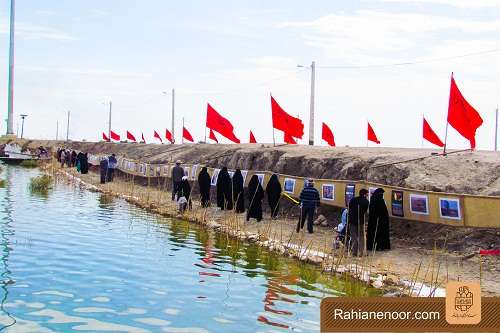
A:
(177, 174)
(255, 196)
(356, 222)
(309, 201)
(238, 192)
(103, 165)
(224, 190)
(112, 163)
(377, 235)
(273, 190)
(204, 182)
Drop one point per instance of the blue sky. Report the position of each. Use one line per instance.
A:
(75, 55)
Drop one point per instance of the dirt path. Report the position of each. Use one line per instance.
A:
(405, 262)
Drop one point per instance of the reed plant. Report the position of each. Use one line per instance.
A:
(41, 183)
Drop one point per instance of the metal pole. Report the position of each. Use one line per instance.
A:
(57, 130)
(17, 129)
(445, 137)
(67, 127)
(496, 129)
(311, 114)
(109, 121)
(10, 115)
(182, 141)
(173, 116)
(22, 127)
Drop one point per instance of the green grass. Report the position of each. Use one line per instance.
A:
(2, 183)
(41, 183)
(29, 163)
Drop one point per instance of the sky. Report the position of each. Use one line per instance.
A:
(78, 55)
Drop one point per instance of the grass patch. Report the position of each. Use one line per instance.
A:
(29, 164)
(41, 183)
(2, 183)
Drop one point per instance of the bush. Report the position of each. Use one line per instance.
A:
(41, 183)
(29, 163)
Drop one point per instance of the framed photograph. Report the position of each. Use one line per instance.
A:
(370, 192)
(261, 178)
(244, 173)
(397, 203)
(215, 175)
(231, 174)
(350, 190)
(194, 171)
(449, 208)
(158, 171)
(165, 170)
(289, 185)
(328, 191)
(187, 171)
(151, 172)
(144, 169)
(419, 204)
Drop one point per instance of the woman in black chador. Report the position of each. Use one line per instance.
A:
(204, 184)
(224, 190)
(255, 196)
(377, 236)
(238, 192)
(273, 190)
(84, 164)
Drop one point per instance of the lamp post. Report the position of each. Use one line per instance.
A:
(311, 109)
(23, 116)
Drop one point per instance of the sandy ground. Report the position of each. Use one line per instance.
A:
(409, 258)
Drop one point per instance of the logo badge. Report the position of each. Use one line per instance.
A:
(463, 303)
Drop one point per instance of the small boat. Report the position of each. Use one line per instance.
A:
(14, 155)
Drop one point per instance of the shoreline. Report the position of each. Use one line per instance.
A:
(392, 279)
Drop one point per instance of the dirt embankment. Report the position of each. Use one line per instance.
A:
(465, 172)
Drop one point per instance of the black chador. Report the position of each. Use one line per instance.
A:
(204, 184)
(377, 235)
(273, 190)
(224, 195)
(84, 164)
(104, 170)
(255, 196)
(238, 192)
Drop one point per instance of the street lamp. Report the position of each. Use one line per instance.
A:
(311, 110)
(22, 124)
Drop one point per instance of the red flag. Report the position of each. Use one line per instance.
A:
(156, 135)
(252, 138)
(285, 122)
(115, 136)
(105, 137)
(430, 135)
(371, 134)
(220, 124)
(327, 135)
(131, 137)
(186, 135)
(462, 116)
(169, 136)
(212, 136)
(289, 139)
(144, 140)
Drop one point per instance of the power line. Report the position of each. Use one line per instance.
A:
(415, 62)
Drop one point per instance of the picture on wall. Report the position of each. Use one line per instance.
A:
(349, 193)
(419, 204)
(289, 185)
(215, 175)
(370, 192)
(328, 191)
(449, 208)
(231, 174)
(187, 171)
(397, 203)
(244, 173)
(194, 171)
(165, 170)
(261, 178)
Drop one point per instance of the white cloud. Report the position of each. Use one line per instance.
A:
(463, 4)
(33, 31)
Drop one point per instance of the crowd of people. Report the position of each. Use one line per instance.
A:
(364, 224)
(72, 159)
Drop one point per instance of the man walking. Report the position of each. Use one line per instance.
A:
(177, 174)
(309, 200)
(356, 224)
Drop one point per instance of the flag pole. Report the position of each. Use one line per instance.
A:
(272, 124)
(422, 141)
(182, 130)
(446, 133)
(496, 129)
(206, 119)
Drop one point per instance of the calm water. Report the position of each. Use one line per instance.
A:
(73, 260)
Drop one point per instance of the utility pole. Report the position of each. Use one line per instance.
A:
(67, 128)
(22, 126)
(109, 121)
(311, 111)
(496, 130)
(173, 116)
(10, 114)
(57, 130)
